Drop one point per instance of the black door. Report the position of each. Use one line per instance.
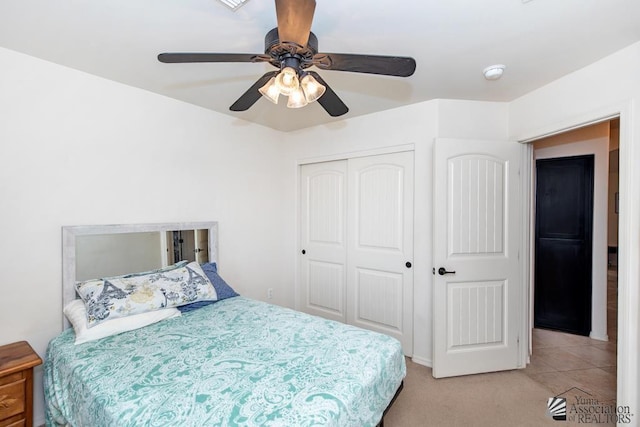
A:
(563, 248)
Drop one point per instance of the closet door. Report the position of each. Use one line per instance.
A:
(323, 240)
(380, 245)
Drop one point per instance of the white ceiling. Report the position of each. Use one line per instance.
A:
(451, 40)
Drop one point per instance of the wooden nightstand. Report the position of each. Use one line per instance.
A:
(16, 384)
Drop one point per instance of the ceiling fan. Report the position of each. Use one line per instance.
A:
(292, 48)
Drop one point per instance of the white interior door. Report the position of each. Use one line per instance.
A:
(323, 239)
(380, 245)
(477, 306)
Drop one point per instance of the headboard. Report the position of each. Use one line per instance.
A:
(70, 236)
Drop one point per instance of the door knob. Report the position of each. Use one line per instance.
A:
(442, 271)
(304, 252)
(408, 264)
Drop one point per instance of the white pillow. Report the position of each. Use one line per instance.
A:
(77, 315)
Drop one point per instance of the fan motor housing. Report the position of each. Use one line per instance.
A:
(279, 49)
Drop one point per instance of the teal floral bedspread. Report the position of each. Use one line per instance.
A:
(238, 362)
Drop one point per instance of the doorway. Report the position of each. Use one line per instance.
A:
(560, 360)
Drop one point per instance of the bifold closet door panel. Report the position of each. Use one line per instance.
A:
(380, 245)
(323, 239)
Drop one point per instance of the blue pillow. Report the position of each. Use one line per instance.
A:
(223, 290)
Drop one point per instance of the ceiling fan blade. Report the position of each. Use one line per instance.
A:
(330, 100)
(294, 20)
(399, 66)
(172, 58)
(252, 95)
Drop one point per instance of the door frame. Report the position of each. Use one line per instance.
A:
(588, 140)
(628, 295)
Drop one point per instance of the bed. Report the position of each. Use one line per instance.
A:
(232, 362)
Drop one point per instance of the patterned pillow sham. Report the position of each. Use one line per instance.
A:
(223, 290)
(157, 270)
(115, 297)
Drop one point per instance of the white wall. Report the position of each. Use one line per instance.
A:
(608, 87)
(416, 125)
(77, 149)
(589, 140)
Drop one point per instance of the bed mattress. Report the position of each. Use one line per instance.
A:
(238, 362)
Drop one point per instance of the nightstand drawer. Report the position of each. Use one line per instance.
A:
(8, 379)
(12, 399)
(16, 384)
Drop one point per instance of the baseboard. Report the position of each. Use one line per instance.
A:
(422, 361)
(598, 337)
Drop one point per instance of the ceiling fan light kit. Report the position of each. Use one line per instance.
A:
(312, 89)
(270, 90)
(287, 81)
(301, 91)
(297, 99)
(292, 48)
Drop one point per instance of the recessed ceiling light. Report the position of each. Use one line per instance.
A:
(233, 4)
(493, 72)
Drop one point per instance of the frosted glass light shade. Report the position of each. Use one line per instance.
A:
(312, 89)
(270, 90)
(297, 99)
(287, 81)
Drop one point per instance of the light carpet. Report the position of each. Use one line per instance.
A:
(507, 398)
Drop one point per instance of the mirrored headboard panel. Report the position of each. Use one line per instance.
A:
(95, 251)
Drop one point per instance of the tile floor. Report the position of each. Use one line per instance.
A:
(562, 361)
